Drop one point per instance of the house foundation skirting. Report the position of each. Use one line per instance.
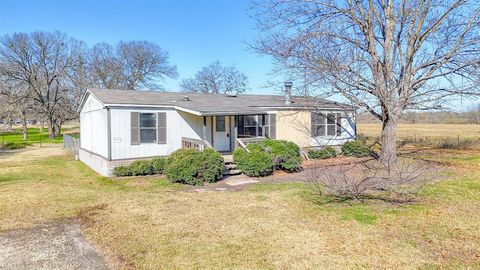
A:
(100, 164)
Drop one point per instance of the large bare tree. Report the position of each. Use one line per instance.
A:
(41, 62)
(130, 65)
(15, 100)
(216, 79)
(382, 55)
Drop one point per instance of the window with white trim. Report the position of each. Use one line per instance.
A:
(253, 126)
(148, 128)
(326, 124)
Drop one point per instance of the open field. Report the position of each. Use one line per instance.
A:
(148, 223)
(34, 135)
(424, 130)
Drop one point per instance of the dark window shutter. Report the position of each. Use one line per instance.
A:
(273, 124)
(313, 118)
(339, 124)
(161, 128)
(134, 128)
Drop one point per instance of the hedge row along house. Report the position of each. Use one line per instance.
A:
(120, 126)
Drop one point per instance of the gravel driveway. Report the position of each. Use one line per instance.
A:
(49, 246)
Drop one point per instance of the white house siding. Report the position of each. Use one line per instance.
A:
(94, 127)
(96, 162)
(179, 124)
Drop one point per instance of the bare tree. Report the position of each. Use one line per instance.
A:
(474, 114)
(384, 56)
(216, 79)
(368, 179)
(130, 65)
(41, 61)
(17, 102)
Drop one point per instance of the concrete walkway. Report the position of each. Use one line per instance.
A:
(242, 182)
(49, 246)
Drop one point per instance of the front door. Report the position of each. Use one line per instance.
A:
(222, 134)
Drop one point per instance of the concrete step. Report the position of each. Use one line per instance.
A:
(230, 166)
(232, 172)
(228, 159)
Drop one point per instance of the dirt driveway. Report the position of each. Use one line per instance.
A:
(49, 246)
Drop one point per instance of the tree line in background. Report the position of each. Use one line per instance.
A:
(44, 75)
(471, 116)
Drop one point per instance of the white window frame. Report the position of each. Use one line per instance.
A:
(337, 124)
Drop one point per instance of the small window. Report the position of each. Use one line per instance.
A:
(148, 129)
(329, 124)
(319, 126)
(220, 123)
(253, 126)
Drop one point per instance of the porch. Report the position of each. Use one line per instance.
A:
(225, 133)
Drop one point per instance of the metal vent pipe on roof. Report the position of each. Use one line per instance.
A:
(288, 92)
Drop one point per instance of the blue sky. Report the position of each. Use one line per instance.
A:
(195, 33)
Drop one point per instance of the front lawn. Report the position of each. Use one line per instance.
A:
(149, 223)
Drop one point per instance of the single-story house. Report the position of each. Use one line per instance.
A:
(119, 126)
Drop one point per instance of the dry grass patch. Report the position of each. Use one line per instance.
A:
(423, 130)
(146, 223)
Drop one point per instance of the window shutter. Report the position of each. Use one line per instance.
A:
(161, 128)
(313, 120)
(134, 128)
(273, 123)
(339, 124)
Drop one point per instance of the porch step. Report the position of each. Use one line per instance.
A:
(228, 159)
(232, 172)
(230, 166)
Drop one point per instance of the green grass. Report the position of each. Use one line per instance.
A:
(361, 213)
(34, 136)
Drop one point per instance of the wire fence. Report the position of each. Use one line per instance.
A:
(441, 142)
(71, 143)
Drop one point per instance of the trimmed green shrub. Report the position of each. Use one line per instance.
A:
(214, 165)
(190, 166)
(16, 145)
(141, 167)
(256, 163)
(327, 152)
(355, 149)
(158, 164)
(268, 155)
(285, 155)
(122, 171)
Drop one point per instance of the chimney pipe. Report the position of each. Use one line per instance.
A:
(288, 92)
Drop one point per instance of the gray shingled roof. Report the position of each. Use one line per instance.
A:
(208, 104)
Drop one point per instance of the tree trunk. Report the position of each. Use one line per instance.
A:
(389, 142)
(51, 128)
(58, 128)
(8, 125)
(24, 126)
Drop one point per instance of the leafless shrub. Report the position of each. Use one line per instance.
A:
(370, 179)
